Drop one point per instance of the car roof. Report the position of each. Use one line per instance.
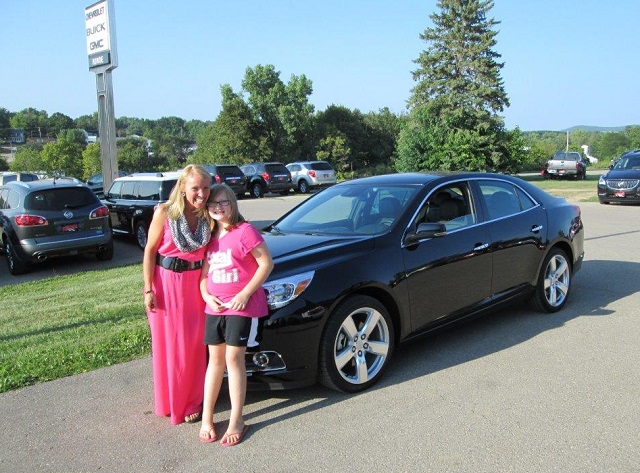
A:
(47, 183)
(150, 176)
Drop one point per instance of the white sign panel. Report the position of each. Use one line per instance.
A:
(98, 27)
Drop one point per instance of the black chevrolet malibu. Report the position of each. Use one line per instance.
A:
(367, 264)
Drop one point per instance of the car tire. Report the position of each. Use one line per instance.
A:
(303, 186)
(141, 234)
(257, 191)
(106, 254)
(16, 267)
(554, 283)
(356, 345)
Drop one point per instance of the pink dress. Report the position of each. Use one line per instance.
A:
(177, 333)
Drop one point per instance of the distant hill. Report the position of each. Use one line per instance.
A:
(597, 128)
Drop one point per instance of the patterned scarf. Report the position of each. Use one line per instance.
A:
(184, 239)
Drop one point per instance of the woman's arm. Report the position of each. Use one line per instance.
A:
(154, 237)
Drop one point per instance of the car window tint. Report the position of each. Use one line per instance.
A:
(3, 197)
(114, 191)
(321, 166)
(128, 190)
(167, 187)
(525, 201)
(59, 199)
(149, 190)
(451, 206)
(501, 198)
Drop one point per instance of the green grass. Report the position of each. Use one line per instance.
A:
(71, 324)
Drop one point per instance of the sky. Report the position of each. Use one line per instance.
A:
(566, 62)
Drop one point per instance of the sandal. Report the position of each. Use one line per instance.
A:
(208, 436)
(193, 418)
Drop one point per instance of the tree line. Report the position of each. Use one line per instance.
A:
(452, 121)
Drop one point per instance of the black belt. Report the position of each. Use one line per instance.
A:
(177, 265)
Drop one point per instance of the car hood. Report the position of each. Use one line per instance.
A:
(623, 174)
(300, 251)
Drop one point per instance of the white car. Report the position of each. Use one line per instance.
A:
(307, 175)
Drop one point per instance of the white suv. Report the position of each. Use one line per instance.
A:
(307, 175)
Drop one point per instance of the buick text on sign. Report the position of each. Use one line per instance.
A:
(97, 29)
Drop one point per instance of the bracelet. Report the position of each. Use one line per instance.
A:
(150, 291)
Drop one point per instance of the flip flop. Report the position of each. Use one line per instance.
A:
(210, 438)
(240, 435)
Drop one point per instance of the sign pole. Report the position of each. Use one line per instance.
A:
(103, 58)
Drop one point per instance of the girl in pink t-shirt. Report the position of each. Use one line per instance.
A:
(237, 263)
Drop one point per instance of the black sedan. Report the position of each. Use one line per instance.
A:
(622, 183)
(367, 264)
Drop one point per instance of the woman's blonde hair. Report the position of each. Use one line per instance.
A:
(175, 204)
(236, 217)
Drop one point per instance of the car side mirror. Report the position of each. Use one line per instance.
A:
(426, 230)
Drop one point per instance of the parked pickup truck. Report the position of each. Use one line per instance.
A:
(565, 164)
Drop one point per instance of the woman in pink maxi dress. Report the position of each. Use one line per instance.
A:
(178, 236)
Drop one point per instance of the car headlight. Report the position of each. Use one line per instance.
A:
(281, 292)
(602, 181)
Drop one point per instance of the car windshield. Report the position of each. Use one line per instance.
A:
(349, 210)
(59, 199)
(631, 162)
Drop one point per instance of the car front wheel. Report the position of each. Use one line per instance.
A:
(554, 283)
(142, 231)
(356, 346)
(16, 267)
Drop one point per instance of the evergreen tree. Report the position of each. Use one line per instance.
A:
(459, 93)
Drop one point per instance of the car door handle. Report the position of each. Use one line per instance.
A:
(536, 228)
(480, 246)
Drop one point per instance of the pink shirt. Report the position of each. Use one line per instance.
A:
(231, 267)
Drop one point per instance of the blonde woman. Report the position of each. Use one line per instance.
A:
(177, 240)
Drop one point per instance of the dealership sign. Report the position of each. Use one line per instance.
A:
(100, 28)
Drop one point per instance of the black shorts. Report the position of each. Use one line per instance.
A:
(234, 330)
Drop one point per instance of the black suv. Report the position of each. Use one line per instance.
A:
(132, 199)
(49, 218)
(622, 182)
(267, 177)
(228, 174)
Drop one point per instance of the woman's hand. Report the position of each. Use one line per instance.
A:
(150, 301)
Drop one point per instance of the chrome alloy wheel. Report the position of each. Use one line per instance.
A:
(557, 279)
(361, 345)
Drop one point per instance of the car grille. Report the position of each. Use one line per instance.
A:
(622, 184)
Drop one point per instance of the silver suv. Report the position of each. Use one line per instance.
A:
(307, 175)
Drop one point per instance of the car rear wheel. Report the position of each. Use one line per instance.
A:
(142, 232)
(554, 283)
(16, 267)
(257, 191)
(356, 346)
(106, 254)
(303, 187)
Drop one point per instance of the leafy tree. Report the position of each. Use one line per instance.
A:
(334, 149)
(88, 123)
(28, 158)
(32, 121)
(63, 156)
(91, 161)
(5, 123)
(132, 155)
(232, 137)
(460, 90)
(59, 121)
(74, 135)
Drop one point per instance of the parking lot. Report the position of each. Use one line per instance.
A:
(515, 391)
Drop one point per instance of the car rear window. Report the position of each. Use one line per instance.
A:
(59, 199)
(321, 166)
(229, 171)
(567, 156)
(276, 168)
